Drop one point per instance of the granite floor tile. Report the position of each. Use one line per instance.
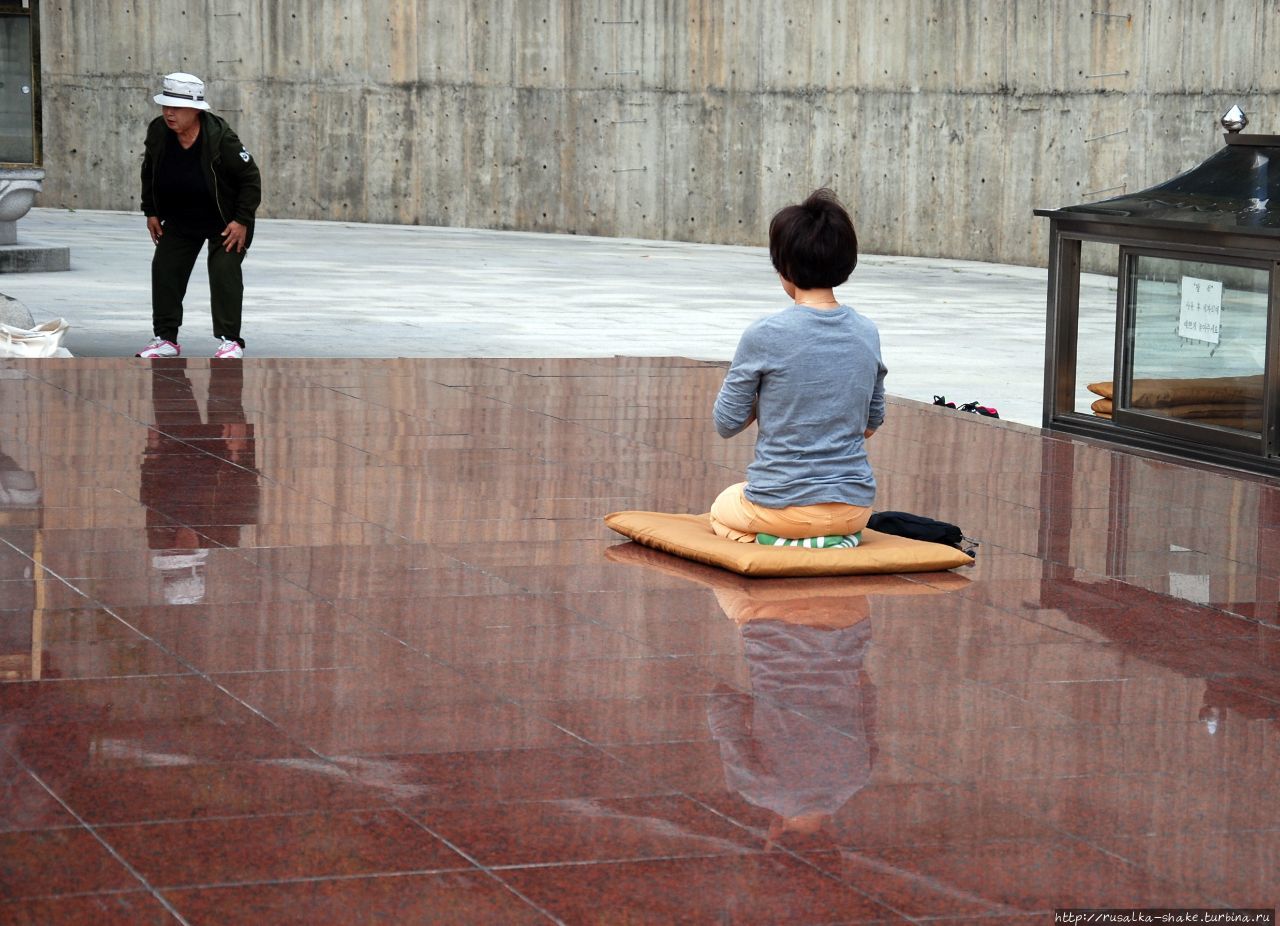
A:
(168, 623)
(763, 889)
(879, 815)
(947, 707)
(79, 626)
(633, 720)
(1101, 808)
(1115, 701)
(1004, 876)
(411, 627)
(459, 645)
(280, 848)
(345, 695)
(445, 728)
(691, 635)
(920, 897)
(125, 908)
(541, 553)
(449, 898)
(1236, 868)
(219, 588)
(632, 611)
(407, 619)
(26, 804)
(59, 748)
(691, 767)
(532, 682)
(182, 700)
(438, 582)
(463, 779)
(586, 829)
(43, 863)
(345, 563)
(1043, 662)
(249, 652)
(703, 768)
(104, 659)
(586, 577)
(114, 793)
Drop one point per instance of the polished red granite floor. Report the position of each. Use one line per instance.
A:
(317, 641)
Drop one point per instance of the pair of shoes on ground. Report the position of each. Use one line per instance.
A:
(159, 347)
(974, 407)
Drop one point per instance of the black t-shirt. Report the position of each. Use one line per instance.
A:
(183, 198)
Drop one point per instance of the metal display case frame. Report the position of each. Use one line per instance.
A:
(1218, 213)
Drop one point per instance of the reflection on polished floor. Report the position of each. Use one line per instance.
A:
(323, 641)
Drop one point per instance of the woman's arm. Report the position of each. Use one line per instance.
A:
(735, 407)
(875, 414)
(247, 177)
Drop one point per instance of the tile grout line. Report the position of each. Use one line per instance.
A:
(93, 831)
(479, 866)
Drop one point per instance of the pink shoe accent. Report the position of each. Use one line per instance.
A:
(159, 348)
(230, 350)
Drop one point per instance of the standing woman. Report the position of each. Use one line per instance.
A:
(198, 184)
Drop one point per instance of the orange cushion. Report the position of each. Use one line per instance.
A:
(690, 536)
(830, 601)
(1160, 393)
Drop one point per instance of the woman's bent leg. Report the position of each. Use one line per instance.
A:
(226, 290)
(730, 517)
(175, 255)
(827, 519)
(736, 517)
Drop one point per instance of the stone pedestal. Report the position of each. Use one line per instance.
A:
(18, 189)
(13, 312)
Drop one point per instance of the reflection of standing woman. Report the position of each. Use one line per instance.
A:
(199, 185)
(199, 481)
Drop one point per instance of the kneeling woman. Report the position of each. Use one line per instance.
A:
(812, 378)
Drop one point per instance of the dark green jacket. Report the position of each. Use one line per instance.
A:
(232, 175)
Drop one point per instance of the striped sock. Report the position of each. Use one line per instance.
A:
(812, 543)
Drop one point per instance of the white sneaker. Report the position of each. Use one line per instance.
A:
(230, 350)
(159, 347)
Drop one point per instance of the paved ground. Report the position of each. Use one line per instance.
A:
(348, 641)
(968, 330)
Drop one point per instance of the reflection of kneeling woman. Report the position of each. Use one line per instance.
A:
(803, 741)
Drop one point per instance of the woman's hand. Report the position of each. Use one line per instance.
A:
(234, 235)
(155, 228)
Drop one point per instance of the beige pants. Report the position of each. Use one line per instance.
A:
(736, 517)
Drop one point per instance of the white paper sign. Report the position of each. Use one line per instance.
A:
(1190, 588)
(1201, 315)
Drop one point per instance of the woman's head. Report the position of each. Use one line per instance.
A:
(812, 244)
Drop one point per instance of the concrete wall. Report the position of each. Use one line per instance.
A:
(942, 123)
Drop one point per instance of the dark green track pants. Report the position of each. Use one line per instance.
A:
(171, 267)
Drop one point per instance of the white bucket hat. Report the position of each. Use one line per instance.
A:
(182, 90)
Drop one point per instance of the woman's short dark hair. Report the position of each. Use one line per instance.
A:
(813, 243)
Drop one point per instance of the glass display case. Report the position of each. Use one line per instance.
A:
(1162, 329)
(19, 84)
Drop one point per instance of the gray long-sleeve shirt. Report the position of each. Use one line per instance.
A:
(819, 381)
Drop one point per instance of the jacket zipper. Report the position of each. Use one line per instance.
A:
(217, 200)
